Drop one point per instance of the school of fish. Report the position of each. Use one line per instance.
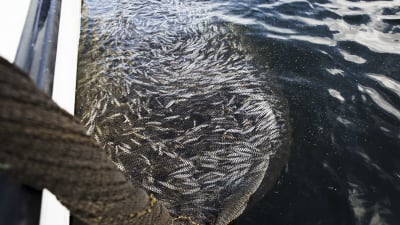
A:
(170, 93)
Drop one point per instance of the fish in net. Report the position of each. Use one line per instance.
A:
(173, 97)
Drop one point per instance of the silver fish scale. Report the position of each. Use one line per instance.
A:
(176, 105)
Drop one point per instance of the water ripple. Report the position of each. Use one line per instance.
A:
(379, 100)
(386, 82)
(372, 24)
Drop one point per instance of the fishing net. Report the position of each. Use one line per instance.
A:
(171, 95)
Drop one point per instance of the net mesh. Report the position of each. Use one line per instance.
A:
(175, 101)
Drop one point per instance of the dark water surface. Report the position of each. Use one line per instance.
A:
(339, 65)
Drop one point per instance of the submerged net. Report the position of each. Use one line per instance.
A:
(169, 93)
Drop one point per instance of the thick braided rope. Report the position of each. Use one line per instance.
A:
(45, 147)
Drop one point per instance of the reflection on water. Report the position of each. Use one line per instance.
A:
(373, 24)
(338, 62)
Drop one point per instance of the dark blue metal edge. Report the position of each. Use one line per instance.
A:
(19, 204)
(36, 55)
